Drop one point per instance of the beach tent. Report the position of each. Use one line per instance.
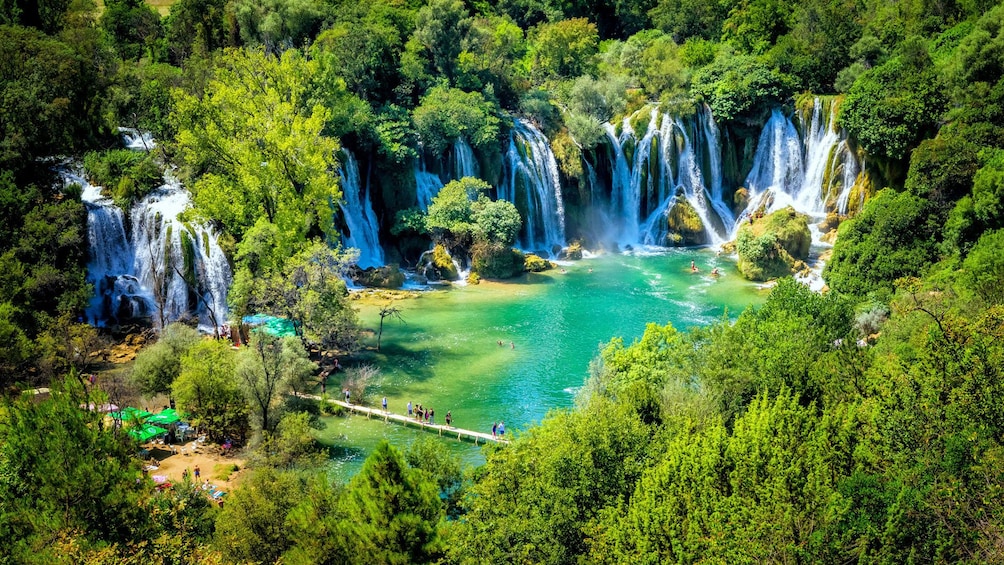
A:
(166, 417)
(279, 327)
(146, 432)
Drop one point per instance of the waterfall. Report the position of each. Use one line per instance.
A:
(464, 164)
(180, 261)
(531, 182)
(363, 228)
(118, 294)
(812, 172)
(137, 140)
(165, 262)
(674, 159)
(427, 184)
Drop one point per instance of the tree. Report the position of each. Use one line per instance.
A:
(207, 390)
(387, 311)
(563, 49)
(158, 365)
(258, 149)
(63, 474)
(891, 238)
(440, 30)
(392, 511)
(448, 114)
(278, 24)
(268, 369)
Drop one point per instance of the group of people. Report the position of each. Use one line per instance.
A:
(693, 269)
(423, 414)
(512, 344)
(498, 430)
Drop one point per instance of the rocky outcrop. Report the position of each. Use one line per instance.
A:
(774, 245)
(389, 276)
(437, 265)
(535, 264)
(685, 226)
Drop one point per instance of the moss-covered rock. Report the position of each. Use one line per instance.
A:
(740, 199)
(685, 226)
(535, 264)
(389, 276)
(862, 190)
(494, 261)
(773, 245)
(438, 265)
(573, 252)
(473, 278)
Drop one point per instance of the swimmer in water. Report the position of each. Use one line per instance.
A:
(693, 267)
(714, 272)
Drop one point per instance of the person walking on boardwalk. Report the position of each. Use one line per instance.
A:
(385, 404)
(432, 416)
(347, 396)
(501, 429)
(409, 408)
(449, 419)
(495, 428)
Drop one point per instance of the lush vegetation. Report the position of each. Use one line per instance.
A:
(860, 425)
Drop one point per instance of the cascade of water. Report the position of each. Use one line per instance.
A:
(464, 163)
(621, 191)
(361, 221)
(531, 182)
(137, 140)
(427, 185)
(118, 295)
(789, 170)
(180, 261)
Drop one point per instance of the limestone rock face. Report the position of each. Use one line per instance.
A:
(685, 226)
(773, 245)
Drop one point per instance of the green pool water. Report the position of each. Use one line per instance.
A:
(445, 354)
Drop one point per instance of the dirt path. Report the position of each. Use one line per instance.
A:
(213, 466)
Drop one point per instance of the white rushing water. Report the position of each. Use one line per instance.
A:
(673, 159)
(363, 229)
(812, 171)
(531, 182)
(156, 268)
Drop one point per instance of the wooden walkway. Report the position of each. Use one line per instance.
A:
(446, 431)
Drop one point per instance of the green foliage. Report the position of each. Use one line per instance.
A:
(392, 511)
(893, 106)
(563, 49)
(448, 114)
(442, 466)
(133, 26)
(770, 247)
(206, 390)
(496, 261)
(534, 264)
(452, 210)
(984, 267)
(268, 370)
(601, 100)
(196, 27)
(362, 51)
(127, 175)
(158, 365)
(498, 221)
(46, 105)
(685, 19)
(276, 24)
(259, 148)
(741, 87)
(890, 239)
(532, 499)
(62, 473)
(440, 30)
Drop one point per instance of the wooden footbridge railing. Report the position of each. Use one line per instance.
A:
(405, 420)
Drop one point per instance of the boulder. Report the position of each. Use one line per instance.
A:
(773, 245)
(535, 264)
(573, 252)
(389, 276)
(437, 265)
(685, 226)
(740, 199)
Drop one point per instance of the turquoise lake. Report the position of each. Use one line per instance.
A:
(445, 354)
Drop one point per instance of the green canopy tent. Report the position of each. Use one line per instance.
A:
(146, 432)
(166, 417)
(130, 414)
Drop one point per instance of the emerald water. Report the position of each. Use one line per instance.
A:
(445, 354)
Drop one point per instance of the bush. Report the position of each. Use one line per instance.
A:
(770, 247)
(127, 175)
(494, 261)
(536, 264)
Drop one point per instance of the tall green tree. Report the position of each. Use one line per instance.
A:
(255, 148)
(268, 369)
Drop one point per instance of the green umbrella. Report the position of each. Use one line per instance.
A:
(145, 432)
(130, 414)
(168, 416)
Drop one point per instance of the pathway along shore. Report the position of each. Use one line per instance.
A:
(462, 434)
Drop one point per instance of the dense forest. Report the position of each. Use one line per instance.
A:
(863, 424)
